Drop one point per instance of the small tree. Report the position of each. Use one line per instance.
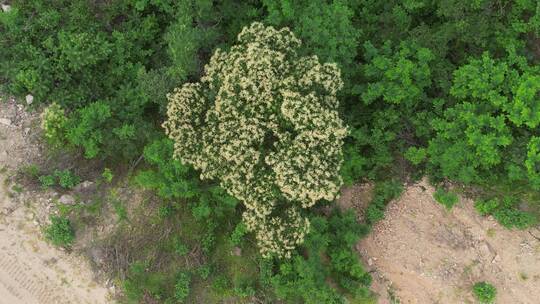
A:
(264, 122)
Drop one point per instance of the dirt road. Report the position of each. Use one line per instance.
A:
(31, 270)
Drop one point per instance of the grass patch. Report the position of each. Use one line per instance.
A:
(446, 198)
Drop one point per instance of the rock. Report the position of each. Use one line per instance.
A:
(85, 186)
(67, 199)
(29, 99)
(6, 8)
(5, 121)
(496, 259)
(237, 251)
(26, 131)
(370, 262)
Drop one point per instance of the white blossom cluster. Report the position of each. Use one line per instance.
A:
(264, 122)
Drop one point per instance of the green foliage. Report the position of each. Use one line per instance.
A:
(238, 234)
(179, 247)
(105, 62)
(506, 211)
(415, 155)
(47, 181)
(107, 175)
(532, 163)
(53, 123)
(383, 193)
(485, 138)
(304, 278)
(171, 179)
(181, 288)
(60, 232)
(64, 178)
(397, 76)
(484, 292)
(87, 128)
(204, 271)
(446, 198)
(327, 28)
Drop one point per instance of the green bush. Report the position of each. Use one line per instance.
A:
(304, 278)
(383, 193)
(181, 288)
(238, 234)
(171, 179)
(53, 123)
(506, 212)
(107, 175)
(484, 292)
(47, 181)
(66, 179)
(446, 198)
(60, 232)
(179, 247)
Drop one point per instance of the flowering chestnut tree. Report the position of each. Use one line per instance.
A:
(264, 122)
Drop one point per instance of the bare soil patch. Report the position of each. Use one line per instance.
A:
(422, 253)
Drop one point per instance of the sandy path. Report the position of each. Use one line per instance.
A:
(31, 270)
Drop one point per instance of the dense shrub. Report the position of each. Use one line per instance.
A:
(326, 28)
(109, 64)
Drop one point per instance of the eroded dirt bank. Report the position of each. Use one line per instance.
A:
(422, 253)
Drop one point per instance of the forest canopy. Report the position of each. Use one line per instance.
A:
(277, 104)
